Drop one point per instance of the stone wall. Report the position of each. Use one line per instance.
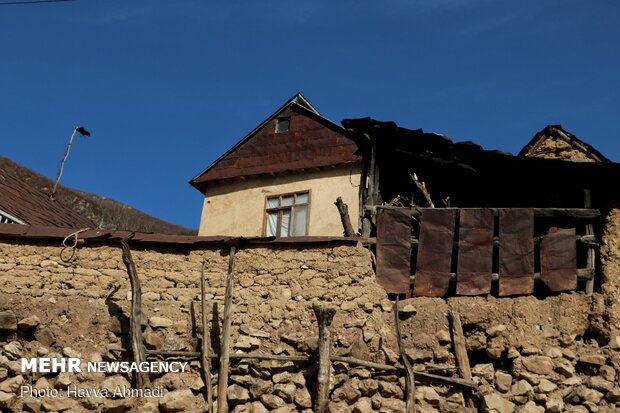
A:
(528, 354)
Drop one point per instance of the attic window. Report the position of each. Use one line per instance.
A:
(283, 125)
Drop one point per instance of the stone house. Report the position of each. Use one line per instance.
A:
(282, 178)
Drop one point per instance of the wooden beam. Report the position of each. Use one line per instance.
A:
(409, 376)
(582, 274)
(135, 319)
(420, 375)
(324, 316)
(585, 240)
(222, 385)
(574, 213)
(460, 351)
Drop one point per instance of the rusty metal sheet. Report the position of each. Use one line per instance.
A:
(434, 259)
(312, 142)
(475, 259)
(394, 250)
(516, 251)
(558, 259)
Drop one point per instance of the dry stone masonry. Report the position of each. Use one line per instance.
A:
(528, 354)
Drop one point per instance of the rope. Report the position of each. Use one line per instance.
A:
(65, 246)
(75, 238)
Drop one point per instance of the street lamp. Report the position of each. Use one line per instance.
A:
(81, 131)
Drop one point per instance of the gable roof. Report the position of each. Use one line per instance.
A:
(535, 147)
(313, 141)
(31, 206)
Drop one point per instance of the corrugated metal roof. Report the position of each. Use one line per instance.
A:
(34, 207)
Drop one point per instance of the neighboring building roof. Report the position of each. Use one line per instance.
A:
(554, 142)
(25, 204)
(105, 236)
(468, 168)
(311, 142)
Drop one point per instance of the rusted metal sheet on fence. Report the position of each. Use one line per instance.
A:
(558, 259)
(394, 250)
(432, 276)
(475, 260)
(516, 251)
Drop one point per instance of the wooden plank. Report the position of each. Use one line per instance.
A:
(222, 385)
(435, 252)
(558, 260)
(460, 351)
(324, 316)
(516, 251)
(394, 250)
(475, 256)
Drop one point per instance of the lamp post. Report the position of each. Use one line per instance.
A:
(81, 131)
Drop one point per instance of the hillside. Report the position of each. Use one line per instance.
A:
(110, 214)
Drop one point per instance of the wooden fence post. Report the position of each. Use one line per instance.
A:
(324, 316)
(206, 342)
(222, 385)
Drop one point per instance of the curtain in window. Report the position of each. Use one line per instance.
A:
(301, 221)
(272, 224)
(286, 223)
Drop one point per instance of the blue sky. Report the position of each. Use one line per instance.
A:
(167, 86)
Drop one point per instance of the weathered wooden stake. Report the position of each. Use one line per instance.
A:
(422, 187)
(460, 351)
(222, 386)
(590, 263)
(343, 210)
(206, 342)
(135, 324)
(324, 316)
(409, 377)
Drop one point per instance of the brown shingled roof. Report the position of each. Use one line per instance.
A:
(33, 207)
(311, 142)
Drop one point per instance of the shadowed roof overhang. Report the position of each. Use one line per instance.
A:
(402, 151)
